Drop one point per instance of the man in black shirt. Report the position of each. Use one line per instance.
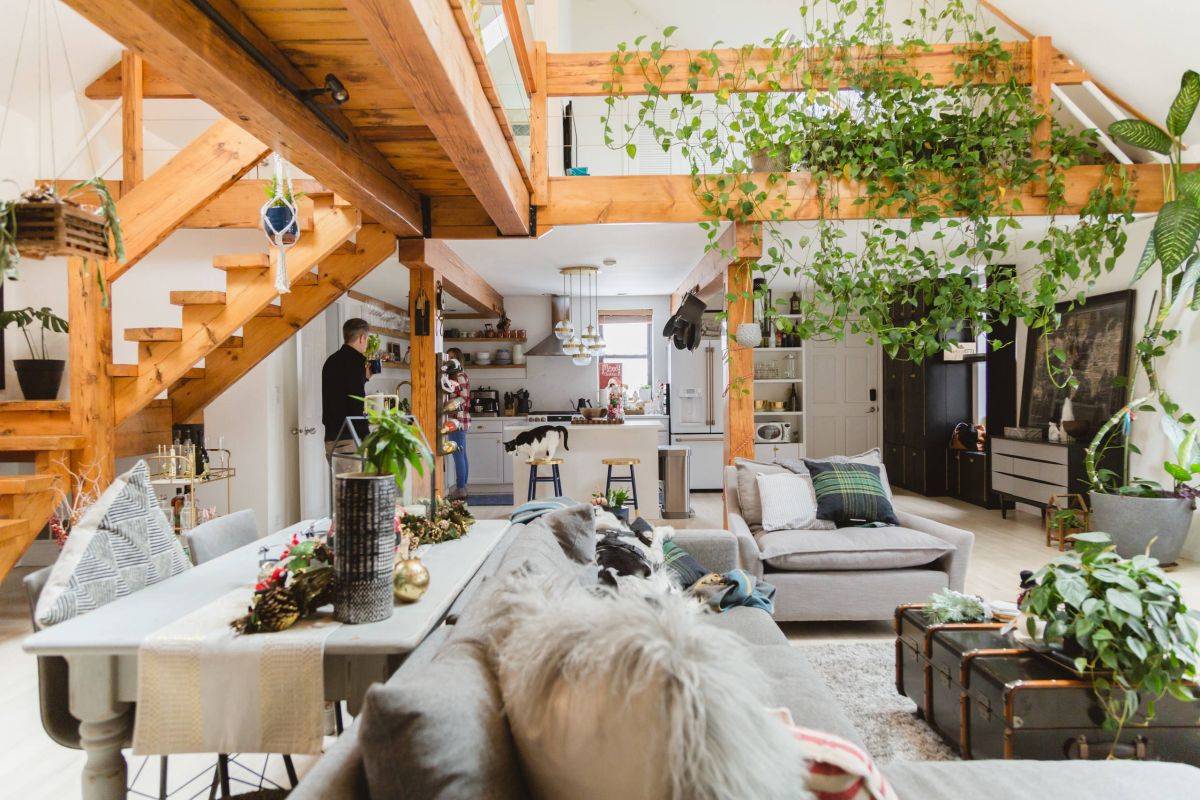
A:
(344, 378)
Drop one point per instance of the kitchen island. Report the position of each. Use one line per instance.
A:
(582, 471)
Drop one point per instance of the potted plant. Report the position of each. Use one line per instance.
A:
(39, 375)
(1138, 513)
(279, 216)
(373, 353)
(365, 543)
(616, 503)
(1119, 622)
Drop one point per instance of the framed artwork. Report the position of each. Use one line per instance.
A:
(1096, 337)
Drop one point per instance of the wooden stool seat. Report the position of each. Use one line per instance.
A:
(543, 462)
(621, 462)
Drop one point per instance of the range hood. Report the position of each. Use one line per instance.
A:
(560, 310)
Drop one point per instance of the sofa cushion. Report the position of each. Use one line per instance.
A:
(536, 545)
(747, 487)
(850, 549)
(872, 457)
(442, 732)
(848, 492)
(796, 686)
(1021, 780)
(752, 624)
(788, 501)
(574, 529)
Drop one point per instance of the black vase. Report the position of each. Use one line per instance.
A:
(364, 547)
(282, 220)
(39, 377)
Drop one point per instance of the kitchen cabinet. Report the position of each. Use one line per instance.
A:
(770, 451)
(483, 455)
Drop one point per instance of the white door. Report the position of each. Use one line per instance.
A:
(841, 407)
(311, 351)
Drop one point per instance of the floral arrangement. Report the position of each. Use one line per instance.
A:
(451, 521)
(951, 606)
(295, 586)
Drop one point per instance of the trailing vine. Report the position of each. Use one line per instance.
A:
(840, 118)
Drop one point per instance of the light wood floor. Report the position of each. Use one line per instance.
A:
(33, 767)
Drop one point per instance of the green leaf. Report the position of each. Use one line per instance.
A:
(1140, 133)
(1175, 233)
(1126, 601)
(1189, 186)
(631, 150)
(1184, 105)
(1149, 256)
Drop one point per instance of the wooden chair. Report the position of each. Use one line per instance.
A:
(630, 478)
(553, 477)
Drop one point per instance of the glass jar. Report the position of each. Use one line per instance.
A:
(789, 366)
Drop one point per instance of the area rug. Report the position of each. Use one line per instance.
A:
(504, 499)
(862, 675)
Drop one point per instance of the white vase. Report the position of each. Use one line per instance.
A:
(748, 334)
(518, 354)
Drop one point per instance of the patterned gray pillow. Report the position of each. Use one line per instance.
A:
(123, 543)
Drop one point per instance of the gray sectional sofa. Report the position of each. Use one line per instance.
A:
(851, 573)
(342, 775)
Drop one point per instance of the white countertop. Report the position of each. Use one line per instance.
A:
(638, 422)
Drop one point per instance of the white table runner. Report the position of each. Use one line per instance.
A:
(203, 688)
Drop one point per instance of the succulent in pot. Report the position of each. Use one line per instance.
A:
(39, 375)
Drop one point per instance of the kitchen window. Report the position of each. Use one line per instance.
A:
(628, 338)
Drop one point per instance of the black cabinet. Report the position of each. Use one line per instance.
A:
(967, 477)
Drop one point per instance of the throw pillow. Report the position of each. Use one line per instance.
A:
(121, 544)
(838, 769)
(747, 488)
(872, 457)
(575, 530)
(683, 568)
(849, 493)
(631, 693)
(788, 501)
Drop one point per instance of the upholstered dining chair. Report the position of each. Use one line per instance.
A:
(220, 536)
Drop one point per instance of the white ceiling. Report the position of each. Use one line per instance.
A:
(651, 259)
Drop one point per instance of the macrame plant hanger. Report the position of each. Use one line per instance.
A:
(284, 236)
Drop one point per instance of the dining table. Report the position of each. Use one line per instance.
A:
(101, 647)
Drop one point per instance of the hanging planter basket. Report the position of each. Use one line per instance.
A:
(56, 228)
(282, 220)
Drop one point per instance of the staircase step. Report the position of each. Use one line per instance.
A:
(187, 298)
(29, 444)
(131, 371)
(270, 311)
(232, 341)
(26, 484)
(306, 279)
(243, 261)
(154, 334)
(12, 528)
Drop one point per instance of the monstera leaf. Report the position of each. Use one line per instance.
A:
(1141, 134)
(1175, 233)
(1184, 105)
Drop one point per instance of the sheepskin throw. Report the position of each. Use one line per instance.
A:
(629, 692)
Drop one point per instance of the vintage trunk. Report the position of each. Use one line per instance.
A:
(1027, 707)
(914, 635)
(950, 649)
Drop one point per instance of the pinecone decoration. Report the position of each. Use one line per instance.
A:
(312, 589)
(275, 609)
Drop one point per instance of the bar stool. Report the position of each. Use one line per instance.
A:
(535, 478)
(630, 479)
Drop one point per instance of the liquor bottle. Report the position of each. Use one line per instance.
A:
(793, 401)
(794, 303)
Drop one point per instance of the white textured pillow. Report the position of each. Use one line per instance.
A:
(629, 693)
(788, 501)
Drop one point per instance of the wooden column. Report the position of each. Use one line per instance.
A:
(133, 168)
(539, 142)
(424, 357)
(1041, 54)
(93, 414)
(739, 395)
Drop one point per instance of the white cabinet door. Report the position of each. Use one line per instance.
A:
(482, 458)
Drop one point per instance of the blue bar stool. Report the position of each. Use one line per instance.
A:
(553, 477)
(630, 478)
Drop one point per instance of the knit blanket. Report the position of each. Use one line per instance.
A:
(202, 688)
(528, 512)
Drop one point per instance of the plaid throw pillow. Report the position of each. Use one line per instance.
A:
(850, 493)
(684, 569)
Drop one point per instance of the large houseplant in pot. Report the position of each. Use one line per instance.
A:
(365, 542)
(38, 375)
(1140, 513)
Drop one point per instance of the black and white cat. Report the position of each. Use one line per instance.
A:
(539, 442)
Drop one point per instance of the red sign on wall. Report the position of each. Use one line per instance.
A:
(608, 371)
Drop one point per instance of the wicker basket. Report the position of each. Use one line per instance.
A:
(364, 547)
(60, 229)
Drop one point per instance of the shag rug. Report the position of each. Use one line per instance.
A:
(862, 675)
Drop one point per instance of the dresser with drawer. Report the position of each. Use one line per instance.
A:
(1029, 472)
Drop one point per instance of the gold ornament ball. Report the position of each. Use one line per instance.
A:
(409, 580)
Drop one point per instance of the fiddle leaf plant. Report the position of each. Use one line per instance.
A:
(394, 444)
(1126, 624)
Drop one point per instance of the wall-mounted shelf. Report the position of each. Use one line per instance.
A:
(778, 349)
(779, 380)
(481, 339)
(392, 332)
(395, 367)
(472, 367)
(778, 413)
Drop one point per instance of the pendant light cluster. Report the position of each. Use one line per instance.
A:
(580, 334)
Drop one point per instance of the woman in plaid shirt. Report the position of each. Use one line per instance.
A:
(463, 417)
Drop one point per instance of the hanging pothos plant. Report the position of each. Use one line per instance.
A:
(850, 127)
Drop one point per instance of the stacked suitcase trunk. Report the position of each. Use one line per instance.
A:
(989, 698)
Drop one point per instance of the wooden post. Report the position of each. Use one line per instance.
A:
(422, 287)
(739, 395)
(1041, 54)
(93, 414)
(133, 167)
(538, 131)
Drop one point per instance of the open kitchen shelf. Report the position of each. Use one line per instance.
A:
(779, 380)
(392, 332)
(778, 413)
(481, 339)
(472, 367)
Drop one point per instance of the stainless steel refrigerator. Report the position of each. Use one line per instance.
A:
(697, 406)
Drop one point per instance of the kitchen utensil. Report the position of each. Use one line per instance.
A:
(518, 354)
(583, 403)
(483, 357)
(593, 413)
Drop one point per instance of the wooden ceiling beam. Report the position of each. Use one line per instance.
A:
(708, 276)
(584, 74)
(155, 85)
(520, 32)
(457, 277)
(672, 198)
(420, 43)
(195, 51)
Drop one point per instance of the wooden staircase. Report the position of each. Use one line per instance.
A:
(27, 501)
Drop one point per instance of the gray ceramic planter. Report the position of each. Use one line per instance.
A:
(1133, 522)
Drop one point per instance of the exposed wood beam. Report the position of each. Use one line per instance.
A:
(539, 132)
(739, 395)
(520, 33)
(93, 412)
(1040, 55)
(1006, 19)
(672, 198)
(420, 43)
(457, 277)
(133, 165)
(206, 61)
(204, 169)
(336, 274)
(145, 430)
(584, 74)
(710, 272)
(155, 85)
(423, 360)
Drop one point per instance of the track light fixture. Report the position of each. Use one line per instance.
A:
(333, 87)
